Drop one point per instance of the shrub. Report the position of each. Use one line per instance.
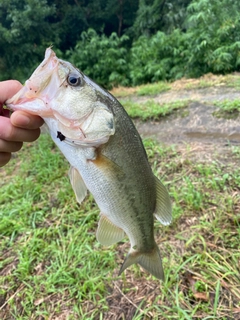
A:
(104, 59)
(160, 57)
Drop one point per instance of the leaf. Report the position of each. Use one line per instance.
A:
(201, 296)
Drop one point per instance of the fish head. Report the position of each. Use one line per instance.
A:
(59, 91)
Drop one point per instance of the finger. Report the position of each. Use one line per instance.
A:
(4, 158)
(10, 146)
(25, 120)
(9, 132)
(8, 89)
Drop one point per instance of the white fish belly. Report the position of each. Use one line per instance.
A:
(121, 204)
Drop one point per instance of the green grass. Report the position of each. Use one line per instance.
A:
(233, 80)
(52, 267)
(153, 88)
(199, 84)
(151, 110)
(227, 109)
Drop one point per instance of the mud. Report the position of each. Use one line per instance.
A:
(197, 123)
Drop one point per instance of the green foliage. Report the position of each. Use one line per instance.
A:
(156, 15)
(25, 33)
(214, 36)
(104, 59)
(157, 58)
(27, 27)
(122, 42)
(210, 43)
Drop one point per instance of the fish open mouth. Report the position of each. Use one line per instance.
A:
(40, 88)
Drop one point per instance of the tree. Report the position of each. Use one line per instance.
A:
(158, 57)
(24, 35)
(159, 15)
(27, 27)
(119, 15)
(104, 59)
(214, 36)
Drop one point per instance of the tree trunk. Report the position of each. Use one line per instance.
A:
(120, 17)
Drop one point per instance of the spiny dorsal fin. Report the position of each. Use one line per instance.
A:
(163, 210)
(107, 232)
(78, 184)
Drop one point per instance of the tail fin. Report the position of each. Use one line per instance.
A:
(150, 261)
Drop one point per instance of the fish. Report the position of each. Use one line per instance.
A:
(106, 156)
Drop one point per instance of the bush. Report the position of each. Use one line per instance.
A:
(214, 36)
(183, 40)
(104, 59)
(160, 57)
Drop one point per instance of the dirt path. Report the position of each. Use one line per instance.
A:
(197, 123)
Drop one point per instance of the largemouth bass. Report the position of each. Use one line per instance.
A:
(106, 155)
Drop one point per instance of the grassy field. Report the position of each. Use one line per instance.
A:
(151, 110)
(206, 81)
(52, 267)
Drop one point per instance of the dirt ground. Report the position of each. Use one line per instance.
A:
(197, 123)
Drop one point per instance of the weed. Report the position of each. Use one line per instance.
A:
(228, 109)
(152, 110)
(143, 90)
(153, 88)
(233, 81)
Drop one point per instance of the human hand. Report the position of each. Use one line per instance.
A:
(20, 127)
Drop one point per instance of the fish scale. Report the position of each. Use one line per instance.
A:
(106, 156)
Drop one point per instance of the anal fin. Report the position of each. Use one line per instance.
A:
(107, 232)
(163, 210)
(78, 184)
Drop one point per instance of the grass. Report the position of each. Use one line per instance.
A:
(198, 84)
(228, 109)
(233, 80)
(143, 90)
(151, 109)
(153, 88)
(51, 265)
(206, 81)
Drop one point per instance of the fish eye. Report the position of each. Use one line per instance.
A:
(73, 80)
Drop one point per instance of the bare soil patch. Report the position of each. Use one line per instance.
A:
(196, 123)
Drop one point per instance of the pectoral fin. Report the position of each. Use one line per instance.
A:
(78, 184)
(107, 232)
(163, 210)
(109, 167)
